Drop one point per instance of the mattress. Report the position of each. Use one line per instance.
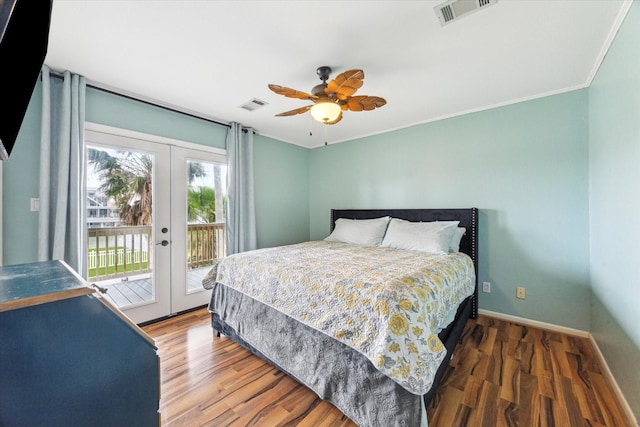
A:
(383, 307)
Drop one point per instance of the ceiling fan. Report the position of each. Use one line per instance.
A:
(330, 99)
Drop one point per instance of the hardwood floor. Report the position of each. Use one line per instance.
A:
(501, 374)
(505, 374)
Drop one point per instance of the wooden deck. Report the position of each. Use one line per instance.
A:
(139, 289)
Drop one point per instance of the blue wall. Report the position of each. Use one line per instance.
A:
(281, 170)
(20, 183)
(282, 192)
(556, 181)
(114, 110)
(524, 166)
(614, 122)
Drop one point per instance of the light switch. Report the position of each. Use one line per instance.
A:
(35, 204)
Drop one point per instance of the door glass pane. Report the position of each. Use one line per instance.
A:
(119, 224)
(206, 207)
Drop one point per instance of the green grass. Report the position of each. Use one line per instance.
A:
(104, 271)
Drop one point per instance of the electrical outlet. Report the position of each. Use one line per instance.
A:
(521, 293)
(486, 287)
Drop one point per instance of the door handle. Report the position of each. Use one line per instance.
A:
(163, 243)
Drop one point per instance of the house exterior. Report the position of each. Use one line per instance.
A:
(101, 212)
(556, 180)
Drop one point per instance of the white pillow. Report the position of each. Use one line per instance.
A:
(433, 237)
(454, 246)
(367, 232)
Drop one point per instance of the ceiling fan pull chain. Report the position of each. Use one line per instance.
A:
(325, 134)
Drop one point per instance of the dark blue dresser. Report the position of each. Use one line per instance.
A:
(69, 358)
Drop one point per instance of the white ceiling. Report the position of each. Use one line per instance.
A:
(210, 57)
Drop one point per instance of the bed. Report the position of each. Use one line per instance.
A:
(353, 325)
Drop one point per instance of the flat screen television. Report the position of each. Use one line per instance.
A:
(24, 32)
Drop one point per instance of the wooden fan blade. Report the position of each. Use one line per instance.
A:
(364, 103)
(345, 84)
(336, 120)
(291, 93)
(294, 112)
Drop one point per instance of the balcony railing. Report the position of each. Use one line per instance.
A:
(116, 252)
(205, 244)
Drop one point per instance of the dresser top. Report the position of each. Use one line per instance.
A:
(24, 285)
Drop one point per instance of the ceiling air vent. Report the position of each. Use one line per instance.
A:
(455, 9)
(253, 104)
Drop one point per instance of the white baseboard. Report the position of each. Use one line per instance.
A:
(535, 323)
(612, 380)
(574, 332)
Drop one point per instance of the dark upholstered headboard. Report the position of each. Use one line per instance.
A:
(468, 219)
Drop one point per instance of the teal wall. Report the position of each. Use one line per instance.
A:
(524, 166)
(281, 170)
(21, 183)
(281, 176)
(614, 121)
(282, 192)
(113, 110)
(556, 180)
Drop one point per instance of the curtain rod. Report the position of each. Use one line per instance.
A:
(105, 88)
(153, 103)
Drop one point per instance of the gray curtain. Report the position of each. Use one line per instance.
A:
(61, 230)
(241, 217)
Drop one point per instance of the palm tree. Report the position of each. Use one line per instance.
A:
(201, 206)
(195, 170)
(126, 177)
(203, 203)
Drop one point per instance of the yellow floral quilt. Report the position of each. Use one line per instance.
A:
(385, 303)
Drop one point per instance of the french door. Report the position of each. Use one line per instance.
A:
(198, 223)
(155, 222)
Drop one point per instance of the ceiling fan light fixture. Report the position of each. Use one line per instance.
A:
(332, 98)
(325, 111)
